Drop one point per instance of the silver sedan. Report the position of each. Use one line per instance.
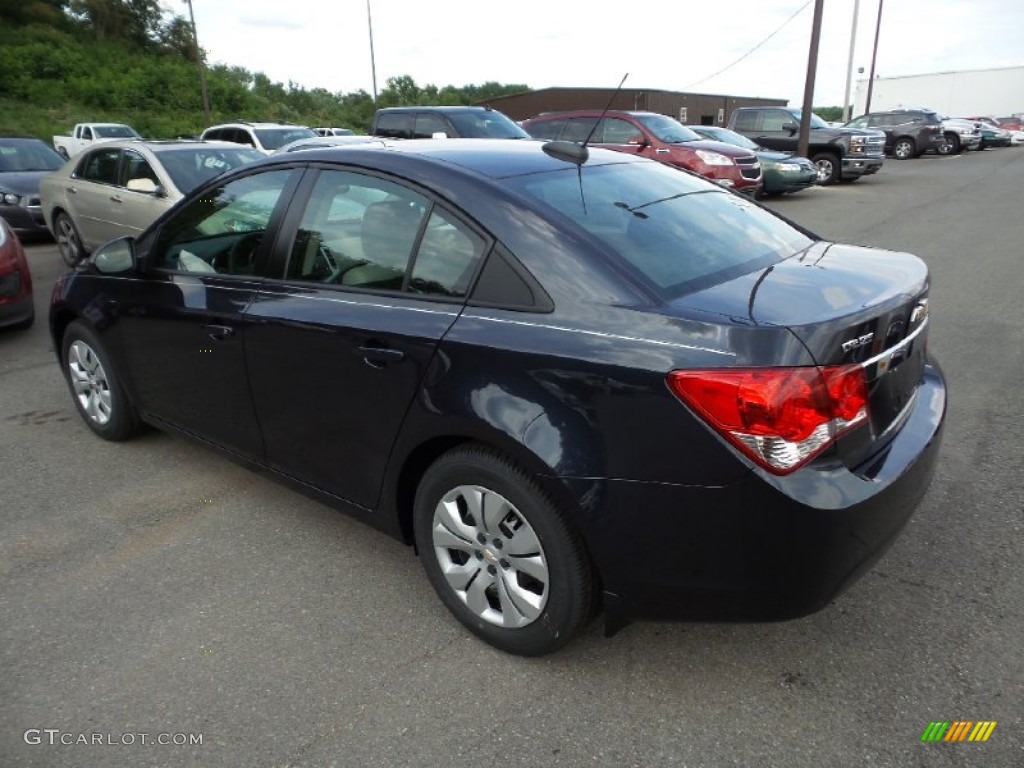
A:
(121, 187)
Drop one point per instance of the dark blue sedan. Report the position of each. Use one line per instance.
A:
(574, 380)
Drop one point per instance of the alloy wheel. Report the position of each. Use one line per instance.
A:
(490, 556)
(68, 244)
(89, 382)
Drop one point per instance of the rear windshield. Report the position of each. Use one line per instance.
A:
(677, 232)
(273, 138)
(190, 167)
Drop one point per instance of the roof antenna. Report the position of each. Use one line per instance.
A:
(570, 151)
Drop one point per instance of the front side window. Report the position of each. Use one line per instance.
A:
(135, 167)
(615, 130)
(221, 232)
(677, 232)
(100, 166)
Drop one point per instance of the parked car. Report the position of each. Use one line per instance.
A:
(444, 122)
(781, 172)
(333, 131)
(908, 132)
(16, 307)
(648, 134)
(574, 378)
(120, 188)
(992, 135)
(1011, 123)
(23, 162)
(319, 142)
(263, 137)
(86, 134)
(959, 135)
(840, 154)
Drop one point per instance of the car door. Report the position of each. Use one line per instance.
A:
(182, 327)
(624, 136)
(376, 273)
(92, 194)
(775, 130)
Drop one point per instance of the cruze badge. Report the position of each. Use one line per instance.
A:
(858, 342)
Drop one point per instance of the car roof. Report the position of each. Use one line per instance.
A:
(493, 158)
(451, 108)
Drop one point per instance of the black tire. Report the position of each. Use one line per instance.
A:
(549, 609)
(950, 146)
(95, 387)
(829, 167)
(69, 242)
(63, 153)
(904, 149)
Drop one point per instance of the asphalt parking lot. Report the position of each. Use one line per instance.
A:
(155, 588)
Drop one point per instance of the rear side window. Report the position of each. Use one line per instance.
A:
(427, 125)
(676, 232)
(100, 166)
(546, 129)
(746, 121)
(394, 125)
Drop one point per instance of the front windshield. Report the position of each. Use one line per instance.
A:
(115, 132)
(667, 130)
(272, 138)
(677, 232)
(728, 137)
(190, 167)
(486, 125)
(816, 122)
(28, 155)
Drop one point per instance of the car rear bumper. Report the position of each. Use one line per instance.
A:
(766, 548)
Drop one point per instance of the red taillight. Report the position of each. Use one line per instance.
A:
(780, 417)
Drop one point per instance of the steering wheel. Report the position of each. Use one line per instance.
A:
(242, 253)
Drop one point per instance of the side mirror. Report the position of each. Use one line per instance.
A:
(115, 257)
(148, 186)
(791, 128)
(639, 140)
(439, 135)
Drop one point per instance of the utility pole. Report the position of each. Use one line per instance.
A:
(373, 64)
(849, 65)
(874, 55)
(199, 61)
(812, 67)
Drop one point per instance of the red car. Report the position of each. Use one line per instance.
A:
(16, 308)
(658, 137)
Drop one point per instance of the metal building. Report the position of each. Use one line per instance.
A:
(695, 108)
(997, 92)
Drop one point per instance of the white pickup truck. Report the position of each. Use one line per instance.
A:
(87, 134)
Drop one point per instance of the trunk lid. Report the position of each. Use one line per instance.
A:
(847, 305)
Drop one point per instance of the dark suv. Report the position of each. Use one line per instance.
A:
(658, 137)
(444, 122)
(908, 132)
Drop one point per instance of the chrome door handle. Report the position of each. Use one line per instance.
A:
(116, 198)
(381, 356)
(219, 332)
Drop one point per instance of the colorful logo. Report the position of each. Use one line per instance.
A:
(959, 730)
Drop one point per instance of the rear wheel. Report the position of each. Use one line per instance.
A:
(501, 556)
(950, 145)
(95, 387)
(69, 243)
(904, 149)
(828, 167)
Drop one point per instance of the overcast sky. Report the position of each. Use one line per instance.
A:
(667, 44)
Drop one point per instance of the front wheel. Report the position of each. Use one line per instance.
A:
(500, 554)
(69, 242)
(828, 167)
(95, 387)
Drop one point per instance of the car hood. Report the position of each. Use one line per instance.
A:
(22, 182)
(721, 147)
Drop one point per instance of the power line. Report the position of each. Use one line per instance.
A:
(741, 58)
